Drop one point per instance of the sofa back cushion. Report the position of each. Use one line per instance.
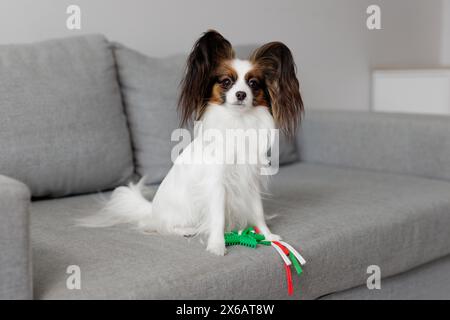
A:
(62, 126)
(398, 143)
(150, 88)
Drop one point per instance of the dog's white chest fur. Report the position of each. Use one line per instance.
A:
(185, 197)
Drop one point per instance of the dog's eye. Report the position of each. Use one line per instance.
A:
(225, 83)
(253, 83)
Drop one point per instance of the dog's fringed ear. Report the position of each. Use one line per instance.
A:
(275, 59)
(196, 86)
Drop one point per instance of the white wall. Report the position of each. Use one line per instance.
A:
(332, 46)
(445, 57)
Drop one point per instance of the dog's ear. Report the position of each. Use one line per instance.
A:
(275, 60)
(196, 86)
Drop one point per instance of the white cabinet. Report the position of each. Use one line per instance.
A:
(412, 91)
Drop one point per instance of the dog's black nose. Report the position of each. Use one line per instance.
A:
(240, 95)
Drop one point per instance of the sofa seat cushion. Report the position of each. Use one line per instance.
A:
(63, 129)
(341, 220)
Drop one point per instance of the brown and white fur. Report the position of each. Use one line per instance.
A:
(223, 93)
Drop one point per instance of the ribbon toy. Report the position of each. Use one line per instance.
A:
(251, 237)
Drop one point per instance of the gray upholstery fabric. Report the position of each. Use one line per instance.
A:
(428, 282)
(341, 220)
(150, 88)
(400, 143)
(62, 126)
(15, 260)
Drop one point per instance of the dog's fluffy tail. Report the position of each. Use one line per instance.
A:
(126, 205)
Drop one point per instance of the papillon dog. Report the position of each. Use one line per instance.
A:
(222, 93)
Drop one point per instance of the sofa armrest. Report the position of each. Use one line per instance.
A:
(396, 143)
(15, 258)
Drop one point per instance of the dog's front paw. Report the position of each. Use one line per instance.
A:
(273, 237)
(217, 249)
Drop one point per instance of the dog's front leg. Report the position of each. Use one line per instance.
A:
(260, 221)
(216, 241)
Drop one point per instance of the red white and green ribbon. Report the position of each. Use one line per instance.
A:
(290, 257)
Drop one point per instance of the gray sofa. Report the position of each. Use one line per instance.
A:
(80, 116)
